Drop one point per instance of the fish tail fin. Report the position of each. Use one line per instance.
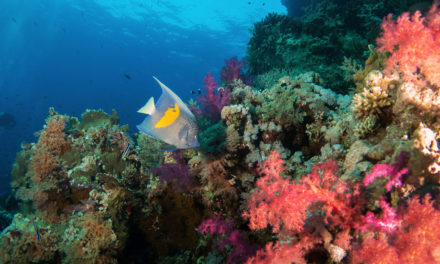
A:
(148, 108)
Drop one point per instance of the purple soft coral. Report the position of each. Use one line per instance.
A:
(228, 237)
(211, 102)
(233, 71)
(394, 172)
(176, 173)
(215, 226)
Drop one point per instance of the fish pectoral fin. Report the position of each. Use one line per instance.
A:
(148, 108)
(168, 147)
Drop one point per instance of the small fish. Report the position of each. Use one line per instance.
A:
(127, 148)
(170, 120)
(198, 91)
(14, 20)
(37, 231)
(127, 76)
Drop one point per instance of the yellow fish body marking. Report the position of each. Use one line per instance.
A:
(171, 114)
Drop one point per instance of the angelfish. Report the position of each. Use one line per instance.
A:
(170, 121)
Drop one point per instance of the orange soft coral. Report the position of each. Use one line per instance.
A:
(52, 144)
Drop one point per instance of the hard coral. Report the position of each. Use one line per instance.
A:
(376, 97)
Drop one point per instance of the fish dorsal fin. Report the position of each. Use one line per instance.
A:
(148, 108)
(170, 115)
(171, 97)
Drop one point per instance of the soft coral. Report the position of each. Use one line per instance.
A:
(414, 43)
(284, 205)
(320, 199)
(212, 102)
(416, 240)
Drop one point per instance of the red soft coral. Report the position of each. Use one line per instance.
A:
(284, 253)
(320, 198)
(414, 43)
(283, 204)
(416, 240)
(270, 204)
(375, 251)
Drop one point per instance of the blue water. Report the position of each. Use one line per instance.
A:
(74, 55)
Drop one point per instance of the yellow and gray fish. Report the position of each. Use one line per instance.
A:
(170, 120)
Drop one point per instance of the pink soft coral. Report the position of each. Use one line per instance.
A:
(393, 172)
(388, 222)
(414, 43)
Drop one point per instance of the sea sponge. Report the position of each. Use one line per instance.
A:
(427, 142)
(425, 98)
(98, 118)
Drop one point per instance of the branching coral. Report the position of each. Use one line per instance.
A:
(376, 97)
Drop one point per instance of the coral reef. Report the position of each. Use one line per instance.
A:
(287, 171)
(326, 32)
